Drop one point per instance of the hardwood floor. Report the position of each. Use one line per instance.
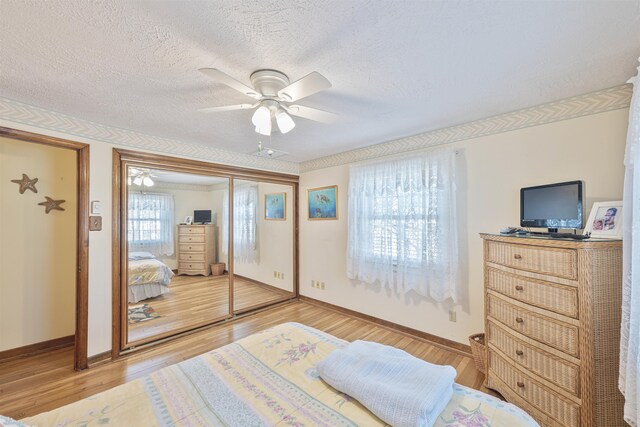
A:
(197, 300)
(32, 385)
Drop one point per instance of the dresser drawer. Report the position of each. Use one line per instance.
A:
(554, 369)
(182, 265)
(541, 328)
(191, 247)
(559, 298)
(191, 238)
(195, 256)
(564, 411)
(192, 230)
(552, 261)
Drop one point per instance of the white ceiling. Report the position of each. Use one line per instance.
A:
(163, 176)
(398, 67)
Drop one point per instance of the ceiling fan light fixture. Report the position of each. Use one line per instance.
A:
(137, 180)
(285, 122)
(147, 181)
(262, 117)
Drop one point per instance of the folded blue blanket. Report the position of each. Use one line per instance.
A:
(398, 388)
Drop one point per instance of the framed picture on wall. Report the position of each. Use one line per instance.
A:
(323, 203)
(605, 220)
(275, 206)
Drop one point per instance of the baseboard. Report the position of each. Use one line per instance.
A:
(99, 359)
(37, 348)
(434, 339)
(264, 285)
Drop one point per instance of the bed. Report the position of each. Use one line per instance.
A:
(147, 276)
(268, 378)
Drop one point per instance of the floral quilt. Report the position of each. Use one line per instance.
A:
(266, 379)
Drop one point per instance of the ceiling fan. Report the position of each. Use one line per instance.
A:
(140, 177)
(274, 95)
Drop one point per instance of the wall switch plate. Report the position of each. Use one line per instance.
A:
(95, 223)
(96, 207)
(452, 315)
(322, 285)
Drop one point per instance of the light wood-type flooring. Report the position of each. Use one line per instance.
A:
(197, 300)
(44, 382)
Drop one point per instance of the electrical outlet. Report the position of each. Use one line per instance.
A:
(452, 315)
(275, 274)
(282, 276)
(322, 285)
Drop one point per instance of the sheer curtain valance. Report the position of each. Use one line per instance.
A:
(402, 224)
(151, 223)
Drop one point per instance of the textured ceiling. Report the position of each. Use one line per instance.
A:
(398, 68)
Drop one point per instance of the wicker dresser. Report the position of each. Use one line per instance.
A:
(196, 249)
(552, 327)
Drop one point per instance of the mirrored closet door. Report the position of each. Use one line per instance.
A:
(176, 271)
(263, 243)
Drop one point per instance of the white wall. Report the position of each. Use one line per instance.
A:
(493, 169)
(275, 242)
(37, 250)
(589, 148)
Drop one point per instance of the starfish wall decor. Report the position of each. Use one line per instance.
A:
(26, 183)
(51, 204)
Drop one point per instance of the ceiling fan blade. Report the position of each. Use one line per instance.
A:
(221, 77)
(308, 85)
(228, 108)
(312, 114)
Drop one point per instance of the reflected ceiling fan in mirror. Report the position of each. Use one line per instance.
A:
(140, 177)
(274, 95)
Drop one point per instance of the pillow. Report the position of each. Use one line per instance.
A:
(136, 256)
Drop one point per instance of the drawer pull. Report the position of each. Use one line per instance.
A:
(519, 352)
(189, 247)
(519, 288)
(520, 384)
(519, 320)
(517, 256)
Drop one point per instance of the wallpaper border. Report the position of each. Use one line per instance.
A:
(578, 106)
(601, 101)
(18, 112)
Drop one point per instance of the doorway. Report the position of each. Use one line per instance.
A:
(50, 203)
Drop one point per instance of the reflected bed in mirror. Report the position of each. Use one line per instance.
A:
(171, 285)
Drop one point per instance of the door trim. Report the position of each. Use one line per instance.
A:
(82, 232)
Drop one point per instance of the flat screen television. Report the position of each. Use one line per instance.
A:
(553, 206)
(202, 217)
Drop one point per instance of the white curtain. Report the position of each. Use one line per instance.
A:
(402, 224)
(245, 224)
(151, 223)
(629, 379)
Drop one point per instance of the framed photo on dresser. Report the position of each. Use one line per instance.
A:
(605, 220)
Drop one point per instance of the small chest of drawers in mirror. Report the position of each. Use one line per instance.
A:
(552, 310)
(196, 249)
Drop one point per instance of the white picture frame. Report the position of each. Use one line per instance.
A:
(188, 220)
(605, 220)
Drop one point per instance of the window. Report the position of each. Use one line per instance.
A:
(151, 223)
(245, 223)
(402, 225)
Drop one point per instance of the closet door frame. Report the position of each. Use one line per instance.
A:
(121, 160)
(82, 232)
